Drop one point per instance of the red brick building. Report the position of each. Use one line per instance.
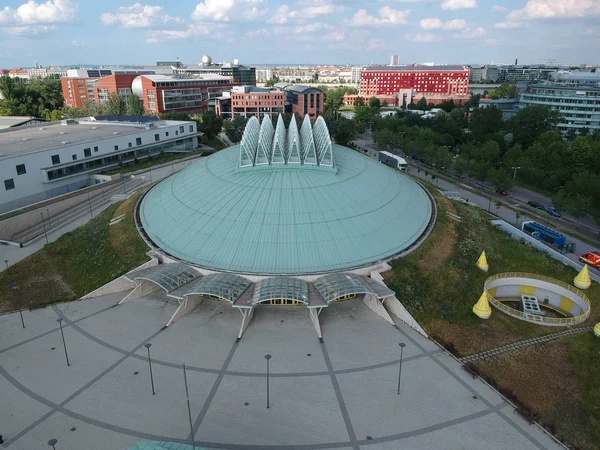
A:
(301, 99)
(251, 101)
(120, 84)
(77, 90)
(435, 83)
(164, 93)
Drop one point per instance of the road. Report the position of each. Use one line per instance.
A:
(15, 254)
(486, 203)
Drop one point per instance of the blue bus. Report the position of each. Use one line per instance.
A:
(544, 234)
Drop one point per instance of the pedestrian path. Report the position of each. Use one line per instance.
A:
(525, 343)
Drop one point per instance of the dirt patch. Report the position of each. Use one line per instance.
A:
(438, 253)
(543, 379)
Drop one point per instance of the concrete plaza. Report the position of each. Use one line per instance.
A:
(338, 393)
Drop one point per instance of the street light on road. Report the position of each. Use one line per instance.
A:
(267, 357)
(59, 320)
(514, 179)
(402, 345)
(148, 345)
(52, 443)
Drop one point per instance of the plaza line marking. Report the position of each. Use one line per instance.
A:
(340, 398)
(474, 392)
(26, 341)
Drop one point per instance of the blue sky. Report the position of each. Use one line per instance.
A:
(298, 31)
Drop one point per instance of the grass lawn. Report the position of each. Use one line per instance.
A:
(214, 143)
(439, 284)
(78, 262)
(147, 163)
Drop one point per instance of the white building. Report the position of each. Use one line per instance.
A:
(263, 75)
(394, 60)
(355, 77)
(41, 162)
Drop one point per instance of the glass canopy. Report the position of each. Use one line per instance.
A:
(337, 285)
(280, 288)
(167, 276)
(226, 286)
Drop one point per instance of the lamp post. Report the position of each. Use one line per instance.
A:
(402, 345)
(187, 396)
(59, 320)
(490, 201)
(148, 345)
(52, 443)
(483, 328)
(514, 178)
(44, 225)
(49, 224)
(267, 357)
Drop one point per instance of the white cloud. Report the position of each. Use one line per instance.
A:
(138, 16)
(470, 33)
(387, 16)
(217, 10)
(376, 43)
(499, 9)
(258, 33)
(283, 15)
(77, 43)
(191, 31)
(459, 4)
(334, 36)
(36, 18)
(421, 37)
(509, 25)
(30, 30)
(434, 23)
(551, 9)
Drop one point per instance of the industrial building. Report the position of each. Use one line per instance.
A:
(50, 159)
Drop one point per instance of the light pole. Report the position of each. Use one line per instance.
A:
(402, 345)
(148, 345)
(44, 225)
(267, 357)
(49, 224)
(514, 178)
(59, 320)
(52, 443)
(483, 328)
(187, 396)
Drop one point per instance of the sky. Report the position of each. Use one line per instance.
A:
(355, 32)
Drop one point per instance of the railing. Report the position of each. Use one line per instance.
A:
(533, 317)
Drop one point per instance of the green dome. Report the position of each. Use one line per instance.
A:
(287, 219)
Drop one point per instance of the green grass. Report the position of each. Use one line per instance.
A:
(78, 262)
(214, 143)
(347, 108)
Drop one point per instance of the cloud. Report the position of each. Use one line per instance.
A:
(434, 23)
(190, 32)
(217, 10)
(376, 43)
(334, 36)
(421, 37)
(509, 25)
(283, 15)
(470, 33)
(459, 4)
(258, 33)
(498, 9)
(387, 16)
(552, 9)
(138, 16)
(77, 43)
(33, 18)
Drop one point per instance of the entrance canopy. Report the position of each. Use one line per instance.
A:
(338, 285)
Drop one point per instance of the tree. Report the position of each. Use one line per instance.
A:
(135, 105)
(209, 124)
(386, 139)
(174, 115)
(116, 105)
(505, 90)
(342, 130)
(272, 82)
(422, 104)
(234, 129)
(359, 101)
(484, 122)
(529, 123)
(54, 116)
(374, 103)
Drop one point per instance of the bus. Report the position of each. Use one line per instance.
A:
(392, 160)
(544, 234)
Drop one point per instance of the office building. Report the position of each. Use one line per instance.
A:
(41, 162)
(355, 76)
(394, 60)
(302, 100)
(512, 74)
(250, 101)
(239, 74)
(576, 78)
(263, 75)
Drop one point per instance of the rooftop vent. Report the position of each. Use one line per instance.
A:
(63, 132)
(41, 129)
(115, 132)
(68, 122)
(65, 142)
(25, 139)
(93, 128)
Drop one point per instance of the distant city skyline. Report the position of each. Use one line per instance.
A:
(300, 32)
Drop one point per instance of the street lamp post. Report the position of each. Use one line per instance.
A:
(268, 357)
(514, 178)
(148, 345)
(59, 320)
(52, 443)
(483, 328)
(402, 345)
(44, 225)
(187, 396)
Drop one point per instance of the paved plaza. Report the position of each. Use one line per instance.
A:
(338, 393)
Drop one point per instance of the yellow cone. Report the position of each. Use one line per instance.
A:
(582, 280)
(482, 308)
(482, 262)
(597, 329)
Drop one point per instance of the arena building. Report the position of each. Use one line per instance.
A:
(284, 218)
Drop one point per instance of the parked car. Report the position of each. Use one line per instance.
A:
(536, 205)
(502, 192)
(591, 258)
(553, 211)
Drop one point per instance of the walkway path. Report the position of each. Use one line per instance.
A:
(525, 343)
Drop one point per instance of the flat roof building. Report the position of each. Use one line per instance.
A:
(302, 100)
(41, 162)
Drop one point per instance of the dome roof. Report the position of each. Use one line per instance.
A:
(292, 219)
